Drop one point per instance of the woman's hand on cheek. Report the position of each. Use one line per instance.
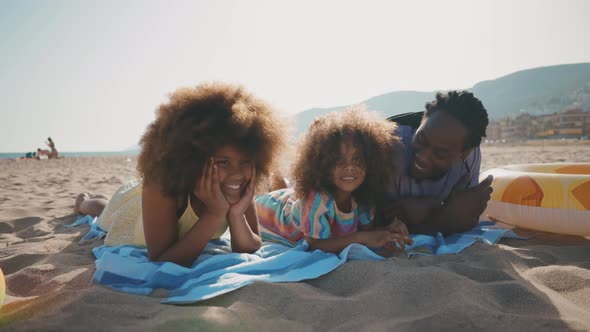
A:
(238, 209)
(208, 190)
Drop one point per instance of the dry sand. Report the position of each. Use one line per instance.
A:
(538, 284)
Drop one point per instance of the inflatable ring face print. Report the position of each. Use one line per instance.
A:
(546, 197)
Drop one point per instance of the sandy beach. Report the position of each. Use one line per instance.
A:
(538, 284)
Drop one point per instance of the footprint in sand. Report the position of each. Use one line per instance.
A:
(18, 225)
(7, 240)
(37, 230)
(24, 282)
(571, 282)
(562, 278)
(19, 262)
(6, 228)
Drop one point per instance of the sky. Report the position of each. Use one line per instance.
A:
(90, 74)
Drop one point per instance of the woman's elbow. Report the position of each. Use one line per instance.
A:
(256, 244)
(158, 257)
(161, 259)
(153, 256)
(251, 248)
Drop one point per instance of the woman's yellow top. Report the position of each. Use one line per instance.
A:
(122, 217)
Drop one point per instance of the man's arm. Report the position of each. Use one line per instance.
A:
(466, 202)
(461, 211)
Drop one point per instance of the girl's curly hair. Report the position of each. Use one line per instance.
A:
(195, 122)
(320, 148)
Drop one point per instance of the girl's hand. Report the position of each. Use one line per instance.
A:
(383, 238)
(398, 227)
(208, 191)
(238, 209)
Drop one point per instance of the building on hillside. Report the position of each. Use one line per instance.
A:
(494, 131)
(569, 123)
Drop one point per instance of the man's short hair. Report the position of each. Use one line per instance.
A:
(463, 106)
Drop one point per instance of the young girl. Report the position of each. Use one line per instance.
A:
(200, 163)
(342, 171)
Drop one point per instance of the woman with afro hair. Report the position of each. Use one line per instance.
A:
(342, 171)
(200, 164)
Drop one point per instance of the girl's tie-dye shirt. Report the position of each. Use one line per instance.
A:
(284, 217)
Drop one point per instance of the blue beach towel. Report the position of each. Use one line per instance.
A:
(218, 271)
(486, 232)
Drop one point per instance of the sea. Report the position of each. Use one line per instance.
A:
(13, 155)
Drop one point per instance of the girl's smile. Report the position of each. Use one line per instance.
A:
(235, 171)
(349, 172)
(349, 178)
(229, 186)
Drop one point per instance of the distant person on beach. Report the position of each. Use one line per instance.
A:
(53, 154)
(201, 162)
(440, 189)
(342, 170)
(43, 153)
(30, 155)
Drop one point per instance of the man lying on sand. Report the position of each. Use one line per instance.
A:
(440, 189)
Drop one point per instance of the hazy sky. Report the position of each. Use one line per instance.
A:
(91, 73)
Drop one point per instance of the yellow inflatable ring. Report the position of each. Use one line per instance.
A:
(2, 287)
(546, 197)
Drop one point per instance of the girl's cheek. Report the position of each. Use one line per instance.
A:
(222, 173)
(248, 171)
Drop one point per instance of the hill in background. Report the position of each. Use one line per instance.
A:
(536, 91)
